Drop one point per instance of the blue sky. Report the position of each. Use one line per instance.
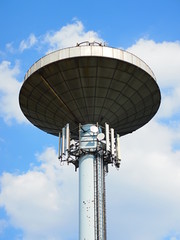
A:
(38, 197)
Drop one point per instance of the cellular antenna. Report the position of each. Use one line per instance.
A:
(90, 96)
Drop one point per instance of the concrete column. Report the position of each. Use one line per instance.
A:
(86, 198)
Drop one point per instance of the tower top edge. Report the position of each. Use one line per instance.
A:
(89, 49)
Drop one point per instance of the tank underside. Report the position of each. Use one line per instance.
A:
(89, 89)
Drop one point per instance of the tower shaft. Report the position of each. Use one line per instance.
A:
(92, 214)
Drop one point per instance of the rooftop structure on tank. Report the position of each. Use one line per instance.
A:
(90, 95)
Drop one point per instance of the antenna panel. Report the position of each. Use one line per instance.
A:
(59, 146)
(63, 142)
(112, 141)
(118, 150)
(107, 137)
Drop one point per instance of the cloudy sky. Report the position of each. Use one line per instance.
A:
(38, 197)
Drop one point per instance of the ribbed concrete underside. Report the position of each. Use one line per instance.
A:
(89, 89)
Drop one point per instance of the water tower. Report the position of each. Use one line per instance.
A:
(90, 95)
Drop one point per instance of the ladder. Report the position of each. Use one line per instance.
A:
(99, 198)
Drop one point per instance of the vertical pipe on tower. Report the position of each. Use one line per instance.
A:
(100, 212)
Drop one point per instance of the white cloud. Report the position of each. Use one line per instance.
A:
(143, 197)
(9, 93)
(3, 225)
(67, 36)
(10, 48)
(9, 86)
(171, 105)
(43, 201)
(70, 35)
(164, 59)
(28, 43)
